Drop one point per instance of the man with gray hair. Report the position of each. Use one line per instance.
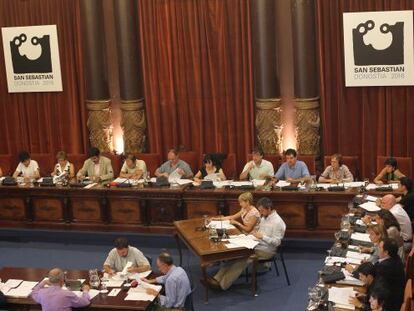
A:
(54, 297)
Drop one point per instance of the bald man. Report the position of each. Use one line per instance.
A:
(389, 202)
(54, 298)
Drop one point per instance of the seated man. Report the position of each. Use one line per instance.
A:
(133, 168)
(292, 170)
(388, 202)
(389, 270)
(97, 168)
(176, 282)
(27, 168)
(174, 163)
(258, 168)
(119, 256)
(54, 298)
(270, 234)
(407, 199)
(366, 274)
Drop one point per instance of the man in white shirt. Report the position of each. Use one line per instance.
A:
(27, 168)
(258, 168)
(389, 202)
(270, 234)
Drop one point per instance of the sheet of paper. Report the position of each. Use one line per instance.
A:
(90, 185)
(371, 198)
(354, 184)
(143, 286)
(13, 283)
(23, 290)
(127, 266)
(258, 182)
(341, 295)
(370, 206)
(282, 183)
(114, 292)
(174, 176)
(241, 183)
(231, 245)
(323, 185)
(225, 224)
(139, 296)
(92, 293)
(371, 186)
(364, 237)
(213, 177)
(122, 180)
(182, 182)
(114, 283)
(357, 255)
(221, 184)
(244, 241)
(139, 276)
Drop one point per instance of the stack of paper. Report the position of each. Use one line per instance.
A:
(247, 241)
(354, 184)
(90, 185)
(140, 275)
(182, 182)
(92, 293)
(323, 185)
(340, 297)
(221, 224)
(282, 183)
(241, 183)
(371, 186)
(258, 182)
(139, 293)
(355, 255)
(371, 198)
(221, 184)
(349, 279)
(370, 206)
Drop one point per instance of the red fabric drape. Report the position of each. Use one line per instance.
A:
(198, 75)
(45, 122)
(363, 121)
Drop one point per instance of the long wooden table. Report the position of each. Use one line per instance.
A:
(209, 252)
(102, 302)
(154, 210)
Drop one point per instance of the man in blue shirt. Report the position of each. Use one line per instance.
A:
(176, 282)
(292, 170)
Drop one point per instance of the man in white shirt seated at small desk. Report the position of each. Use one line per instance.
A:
(119, 256)
(270, 234)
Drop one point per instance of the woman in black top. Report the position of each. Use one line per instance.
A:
(211, 167)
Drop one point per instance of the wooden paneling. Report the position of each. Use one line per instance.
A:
(126, 211)
(196, 209)
(12, 209)
(164, 212)
(48, 209)
(86, 210)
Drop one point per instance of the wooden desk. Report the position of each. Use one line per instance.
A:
(98, 303)
(208, 251)
(154, 210)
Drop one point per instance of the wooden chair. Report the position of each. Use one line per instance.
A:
(404, 164)
(408, 296)
(351, 161)
(46, 162)
(7, 164)
(192, 158)
(152, 160)
(77, 160)
(310, 162)
(409, 265)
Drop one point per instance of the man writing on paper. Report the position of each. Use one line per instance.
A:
(121, 255)
(292, 170)
(97, 168)
(174, 164)
(176, 282)
(54, 298)
(270, 234)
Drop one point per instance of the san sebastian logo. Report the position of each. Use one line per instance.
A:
(22, 64)
(366, 55)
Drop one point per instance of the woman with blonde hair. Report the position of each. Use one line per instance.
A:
(63, 166)
(248, 214)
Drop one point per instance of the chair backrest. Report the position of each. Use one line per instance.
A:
(309, 161)
(116, 162)
(46, 162)
(351, 161)
(408, 296)
(152, 160)
(404, 164)
(7, 164)
(77, 160)
(192, 158)
(409, 265)
(189, 304)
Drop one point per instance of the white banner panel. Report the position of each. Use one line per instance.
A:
(378, 48)
(32, 59)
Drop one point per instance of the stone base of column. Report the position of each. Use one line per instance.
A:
(308, 126)
(99, 124)
(134, 125)
(269, 124)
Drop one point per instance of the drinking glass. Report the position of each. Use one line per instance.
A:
(94, 281)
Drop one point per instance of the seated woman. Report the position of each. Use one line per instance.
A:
(133, 168)
(211, 166)
(63, 166)
(336, 172)
(27, 168)
(390, 173)
(248, 214)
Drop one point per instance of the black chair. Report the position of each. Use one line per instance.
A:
(149, 258)
(188, 304)
(274, 259)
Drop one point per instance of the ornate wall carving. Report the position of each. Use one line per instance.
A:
(308, 126)
(99, 124)
(269, 125)
(134, 125)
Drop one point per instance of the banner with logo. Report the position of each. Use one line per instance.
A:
(378, 48)
(32, 59)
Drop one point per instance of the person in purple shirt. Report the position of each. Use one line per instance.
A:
(292, 170)
(54, 297)
(176, 282)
